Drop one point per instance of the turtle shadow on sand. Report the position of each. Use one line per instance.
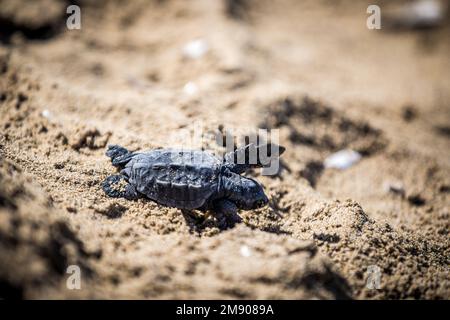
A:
(199, 222)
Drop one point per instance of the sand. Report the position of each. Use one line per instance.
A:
(312, 70)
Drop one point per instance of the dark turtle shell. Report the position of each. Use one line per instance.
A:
(184, 179)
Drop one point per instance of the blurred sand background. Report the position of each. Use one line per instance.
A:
(311, 69)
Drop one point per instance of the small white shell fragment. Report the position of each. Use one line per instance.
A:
(195, 49)
(46, 114)
(426, 11)
(342, 159)
(245, 251)
(394, 187)
(419, 14)
(190, 88)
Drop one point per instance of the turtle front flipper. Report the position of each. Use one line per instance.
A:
(226, 213)
(117, 187)
(252, 156)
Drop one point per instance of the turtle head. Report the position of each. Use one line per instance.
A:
(252, 195)
(246, 193)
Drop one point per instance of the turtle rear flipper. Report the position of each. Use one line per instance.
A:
(119, 155)
(117, 187)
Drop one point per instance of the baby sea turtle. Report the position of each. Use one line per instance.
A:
(190, 179)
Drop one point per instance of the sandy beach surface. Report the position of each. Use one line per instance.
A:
(149, 74)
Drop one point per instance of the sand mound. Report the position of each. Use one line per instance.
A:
(37, 244)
